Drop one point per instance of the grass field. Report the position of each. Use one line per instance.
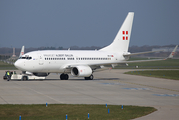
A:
(168, 74)
(164, 64)
(75, 112)
(5, 66)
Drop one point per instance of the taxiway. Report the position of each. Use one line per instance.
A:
(111, 87)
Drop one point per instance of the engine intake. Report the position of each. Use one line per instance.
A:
(81, 71)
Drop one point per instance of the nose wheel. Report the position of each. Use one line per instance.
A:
(64, 76)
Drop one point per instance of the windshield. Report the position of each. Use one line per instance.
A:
(28, 58)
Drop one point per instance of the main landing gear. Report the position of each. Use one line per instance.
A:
(64, 76)
(89, 78)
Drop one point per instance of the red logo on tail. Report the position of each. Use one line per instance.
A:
(125, 35)
(173, 53)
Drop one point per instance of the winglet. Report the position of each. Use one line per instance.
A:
(22, 51)
(173, 52)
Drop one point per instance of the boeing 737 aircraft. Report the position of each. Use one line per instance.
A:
(81, 63)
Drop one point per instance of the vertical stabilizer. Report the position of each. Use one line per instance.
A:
(22, 51)
(173, 52)
(122, 39)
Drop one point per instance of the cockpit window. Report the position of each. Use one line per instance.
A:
(22, 57)
(28, 58)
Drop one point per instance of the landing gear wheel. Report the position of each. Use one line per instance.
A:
(64, 76)
(24, 78)
(89, 78)
(61, 76)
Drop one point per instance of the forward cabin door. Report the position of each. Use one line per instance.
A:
(41, 62)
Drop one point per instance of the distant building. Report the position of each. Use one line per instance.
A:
(13, 56)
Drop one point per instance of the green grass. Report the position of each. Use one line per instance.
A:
(168, 74)
(5, 66)
(75, 112)
(164, 64)
(168, 62)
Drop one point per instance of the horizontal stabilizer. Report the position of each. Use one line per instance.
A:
(139, 53)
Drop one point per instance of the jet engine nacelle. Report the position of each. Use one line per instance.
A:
(81, 71)
(41, 74)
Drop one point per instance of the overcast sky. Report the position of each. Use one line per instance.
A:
(36, 23)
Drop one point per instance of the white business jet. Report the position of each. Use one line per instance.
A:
(81, 63)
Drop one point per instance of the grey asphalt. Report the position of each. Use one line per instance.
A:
(110, 86)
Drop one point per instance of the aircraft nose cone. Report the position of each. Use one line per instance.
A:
(18, 64)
